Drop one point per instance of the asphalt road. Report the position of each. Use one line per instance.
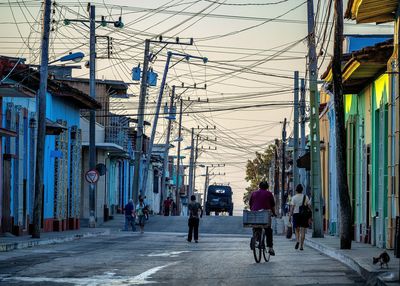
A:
(163, 256)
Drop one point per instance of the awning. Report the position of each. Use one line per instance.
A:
(371, 11)
(7, 133)
(53, 128)
(361, 67)
(304, 161)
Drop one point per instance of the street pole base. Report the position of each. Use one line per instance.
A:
(92, 222)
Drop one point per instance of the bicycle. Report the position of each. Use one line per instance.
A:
(258, 220)
(259, 241)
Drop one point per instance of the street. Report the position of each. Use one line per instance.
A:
(163, 256)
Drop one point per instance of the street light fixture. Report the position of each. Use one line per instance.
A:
(75, 57)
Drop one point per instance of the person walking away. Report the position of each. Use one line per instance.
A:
(130, 216)
(299, 222)
(140, 213)
(167, 205)
(194, 209)
(263, 200)
(146, 208)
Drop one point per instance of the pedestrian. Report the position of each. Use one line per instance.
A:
(140, 214)
(130, 216)
(146, 208)
(167, 205)
(174, 207)
(194, 209)
(299, 222)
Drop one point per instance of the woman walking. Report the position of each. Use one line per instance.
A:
(140, 212)
(299, 222)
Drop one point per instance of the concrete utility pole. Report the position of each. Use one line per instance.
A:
(177, 197)
(283, 166)
(302, 116)
(346, 222)
(153, 131)
(140, 125)
(296, 131)
(166, 151)
(205, 189)
(303, 172)
(92, 118)
(196, 154)
(276, 177)
(314, 126)
(191, 165)
(41, 131)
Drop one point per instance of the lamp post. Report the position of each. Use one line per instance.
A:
(41, 132)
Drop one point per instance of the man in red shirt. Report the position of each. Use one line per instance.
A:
(263, 200)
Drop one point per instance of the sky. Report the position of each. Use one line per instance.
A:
(253, 48)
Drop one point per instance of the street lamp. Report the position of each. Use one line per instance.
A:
(41, 129)
(75, 57)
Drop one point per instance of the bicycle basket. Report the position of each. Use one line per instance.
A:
(254, 218)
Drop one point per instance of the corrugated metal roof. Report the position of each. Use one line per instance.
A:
(371, 11)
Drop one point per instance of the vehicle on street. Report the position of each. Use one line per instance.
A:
(219, 199)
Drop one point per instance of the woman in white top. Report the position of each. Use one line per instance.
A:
(299, 223)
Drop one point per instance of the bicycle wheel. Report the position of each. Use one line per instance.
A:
(265, 251)
(257, 246)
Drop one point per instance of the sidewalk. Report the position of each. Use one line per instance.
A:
(359, 258)
(9, 242)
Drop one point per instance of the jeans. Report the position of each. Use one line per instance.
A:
(268, 233)
(193, 225)
(129, 220)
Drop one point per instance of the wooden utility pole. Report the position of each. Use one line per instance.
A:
(344, 198)
(41, 131)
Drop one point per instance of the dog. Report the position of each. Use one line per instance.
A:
(383, 259)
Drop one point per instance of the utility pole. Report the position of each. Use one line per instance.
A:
(92, 90)
(344, 198)
(177, 197)
(205, 189)
(283, 166)
(140, 125)
(303, 172)
(296, 131)
(276, 177)
(159, 99)
(41, 131)
(196, 153)
(302, 116)
(314, 126)
(166, 151)
(191, 165)
(92, 117)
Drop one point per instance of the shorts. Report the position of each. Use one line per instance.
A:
(299, 221)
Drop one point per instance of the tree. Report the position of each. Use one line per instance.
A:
(257, 170)
(344, 198)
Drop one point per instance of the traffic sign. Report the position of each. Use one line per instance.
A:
(92, 176)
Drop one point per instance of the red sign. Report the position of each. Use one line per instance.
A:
(92, 176)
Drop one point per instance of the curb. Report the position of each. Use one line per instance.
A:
(372, 278)
(9, 246)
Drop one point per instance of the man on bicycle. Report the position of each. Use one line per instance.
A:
(263, 200)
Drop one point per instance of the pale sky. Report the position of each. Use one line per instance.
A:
(247, 65)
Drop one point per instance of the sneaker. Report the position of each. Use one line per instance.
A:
(196, 241)
(301, 248)
(296, 246)
(271, 251)
(188, 240)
